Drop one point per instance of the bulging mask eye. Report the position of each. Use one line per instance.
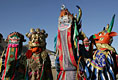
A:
(40, 39)
(37, 35)
(33, 36)
(101, 39)
(100, 34)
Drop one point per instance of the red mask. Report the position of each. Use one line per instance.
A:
(104, 37)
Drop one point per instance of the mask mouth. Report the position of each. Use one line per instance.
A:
(65, 22)
(64, 25)
(34, 45)
(36, 42)
(14, 40)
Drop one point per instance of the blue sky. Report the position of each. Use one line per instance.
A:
(21, 15)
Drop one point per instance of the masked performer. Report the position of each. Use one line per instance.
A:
(102, 66)
(67, 45)
(39, 64)
(12, 53)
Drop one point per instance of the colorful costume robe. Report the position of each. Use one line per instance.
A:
(66, 56)
(67, 48)
(103, 64)
(39, 64)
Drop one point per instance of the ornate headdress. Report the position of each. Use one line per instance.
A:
(66, 18)
(15, 37)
